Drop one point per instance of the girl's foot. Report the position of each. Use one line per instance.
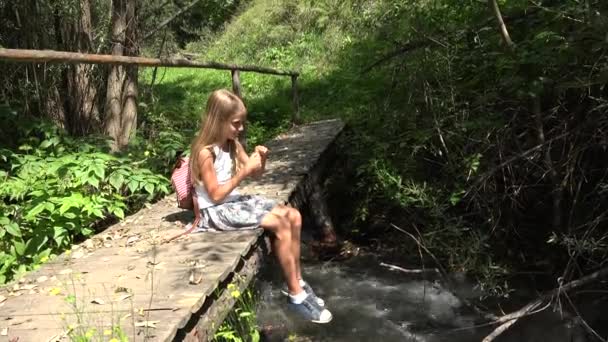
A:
(309, 291)
(308, 308)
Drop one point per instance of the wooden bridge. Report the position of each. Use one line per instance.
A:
(126, 281)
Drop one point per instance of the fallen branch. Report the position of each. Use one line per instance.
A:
(405, 270)
(510, 319)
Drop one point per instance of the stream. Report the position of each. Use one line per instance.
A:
(370, 302)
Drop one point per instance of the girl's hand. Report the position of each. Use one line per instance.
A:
(254, 164)
(262, 151)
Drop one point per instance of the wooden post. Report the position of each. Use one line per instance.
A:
(296, 103)
(236, 83)
(236, 89)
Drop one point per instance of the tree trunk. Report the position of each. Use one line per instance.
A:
(81, 100)
(121, 95)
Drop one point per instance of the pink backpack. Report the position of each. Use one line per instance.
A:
(182, 183)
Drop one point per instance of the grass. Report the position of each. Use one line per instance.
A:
(178, 99)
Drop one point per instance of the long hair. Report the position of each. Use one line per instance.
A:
(221, 106)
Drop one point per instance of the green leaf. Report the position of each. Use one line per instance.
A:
(19, 247)
(98, 213)
(69, 216)
(67, 205)
(59, 234)
(94, 182)
(99, 171)
(50, 207)
(13, 229)
(36, 210)
(133, 186)
(149, 188)
(118, 212)
(46, 144)
(116, 180)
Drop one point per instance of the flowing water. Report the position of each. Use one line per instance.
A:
(372, 303)
(368, 302)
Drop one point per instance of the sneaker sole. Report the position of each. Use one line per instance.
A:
(323, 322)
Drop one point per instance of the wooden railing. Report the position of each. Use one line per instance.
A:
(51, 56)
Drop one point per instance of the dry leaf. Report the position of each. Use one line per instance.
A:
(125, 296)
(130, 267)
(98, 301)
(105, 259)
(77, 255)
(122, 289)
(89, 244)
(195, 279)
(66, 271)
(28, 286)
(131, 240)
(4, 332)
(2, 299)
(147, 324)
(125, 317)
(42, 279)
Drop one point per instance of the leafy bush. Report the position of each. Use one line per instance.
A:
(55, 189)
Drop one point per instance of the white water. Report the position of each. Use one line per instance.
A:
(368, 303)
(371, 303)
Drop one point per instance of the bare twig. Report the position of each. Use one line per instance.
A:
(399, 51)
(511, 318)
(406, 270)
(587, 326)
(445, 275)
(441, 269)
(167, 21)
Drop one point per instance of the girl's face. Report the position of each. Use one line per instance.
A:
(235, 126)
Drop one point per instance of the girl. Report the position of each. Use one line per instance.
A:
(219, 163)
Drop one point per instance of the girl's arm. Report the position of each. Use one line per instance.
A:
(241, 154)
(217, 193)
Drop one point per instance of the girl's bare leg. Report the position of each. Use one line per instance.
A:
(282, 247)
(295, 220)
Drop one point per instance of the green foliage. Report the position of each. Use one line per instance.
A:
(443, 131)
(240, 324)
(55, 189)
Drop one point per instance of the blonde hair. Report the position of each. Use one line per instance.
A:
(221, 106)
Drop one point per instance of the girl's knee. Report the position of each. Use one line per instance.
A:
(284, 228)
(295, 216)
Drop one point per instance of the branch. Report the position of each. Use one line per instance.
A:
(167, 21)
(51, 56)
(403, 49)
(501, 24)
(510, 319)
(445, 275)
(405, 270)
